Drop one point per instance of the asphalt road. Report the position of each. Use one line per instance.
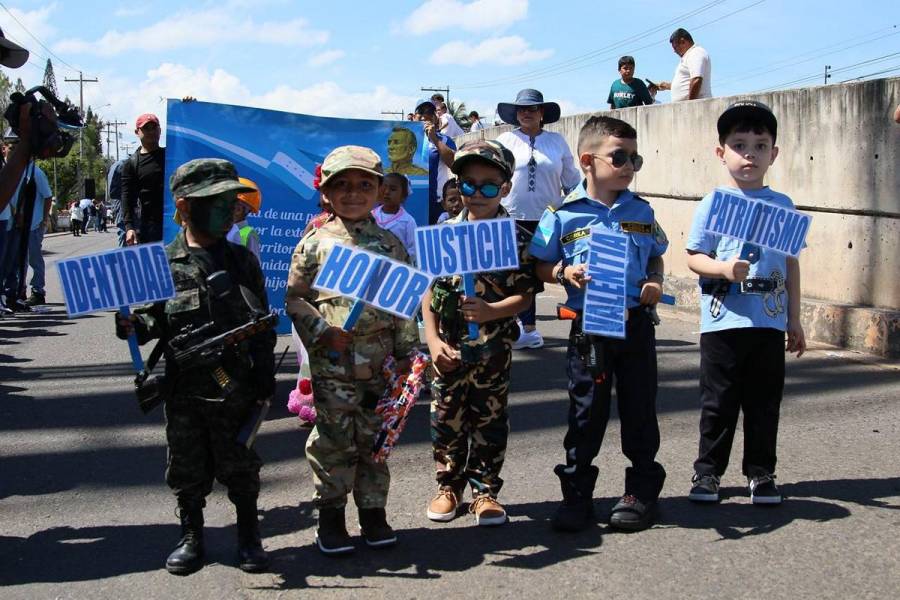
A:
(85, 512)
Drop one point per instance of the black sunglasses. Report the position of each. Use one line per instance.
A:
(488, 190)
(620, 157)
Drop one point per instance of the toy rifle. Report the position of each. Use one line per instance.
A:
(395, 405)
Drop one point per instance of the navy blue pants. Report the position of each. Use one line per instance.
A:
(631, 365)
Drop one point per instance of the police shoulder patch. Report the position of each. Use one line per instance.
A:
(636, 227)
(575, 235)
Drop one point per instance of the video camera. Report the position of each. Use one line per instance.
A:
(48, 140)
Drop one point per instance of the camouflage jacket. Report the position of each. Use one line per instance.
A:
(376, 334)
(253, 361)
(446, 297)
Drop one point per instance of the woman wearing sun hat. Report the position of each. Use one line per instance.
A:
(545, 171)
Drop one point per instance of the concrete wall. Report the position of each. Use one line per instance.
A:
(839, 160)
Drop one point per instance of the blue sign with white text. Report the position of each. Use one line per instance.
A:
(604, 297)
(467, 247)
(756, 222)
(116, 278)
(279, 151)
(379, 281)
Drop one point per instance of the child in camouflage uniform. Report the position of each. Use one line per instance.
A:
(202, 424)
(469, 423)
(346, 366)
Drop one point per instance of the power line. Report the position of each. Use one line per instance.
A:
(536, 73)
(3, 6)
(861, 77)
(819, 74)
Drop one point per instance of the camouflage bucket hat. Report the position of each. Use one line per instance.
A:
(489, 151)
(344, 158)
(204, 177)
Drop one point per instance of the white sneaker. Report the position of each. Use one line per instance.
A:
(528, 339)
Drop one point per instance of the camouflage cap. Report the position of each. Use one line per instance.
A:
(203, 177)
(344, 158)
(489, 151)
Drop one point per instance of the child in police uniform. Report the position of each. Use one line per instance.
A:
(746, 308)
(346, 366)
(607, 154)
(469, 423)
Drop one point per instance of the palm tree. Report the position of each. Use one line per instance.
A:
(460, 113)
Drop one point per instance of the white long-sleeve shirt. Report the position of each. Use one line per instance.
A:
(554, 172)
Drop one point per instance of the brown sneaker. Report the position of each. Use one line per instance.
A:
(444, 505)
(487, 511)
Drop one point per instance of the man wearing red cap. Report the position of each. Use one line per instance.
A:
(143, 179)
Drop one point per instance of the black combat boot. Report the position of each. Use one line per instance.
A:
(375, 528)
(331, 536)
(188, 555)
(251, 556)
(577, 509)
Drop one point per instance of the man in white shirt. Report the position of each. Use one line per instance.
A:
(449, 126)
(692, 79)
(477, 123)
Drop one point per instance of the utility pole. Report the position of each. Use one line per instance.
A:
(446, 91)
(827, 74)
(81, 81)
(116, 125)
(394, 112)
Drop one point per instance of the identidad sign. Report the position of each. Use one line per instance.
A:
(120, 277)
(468, 247)
(764, 224)
(604, 296)
(384, 283)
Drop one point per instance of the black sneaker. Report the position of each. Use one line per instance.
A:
(17, 306)
(705, 488)
(36, 299)
(630, 514)
(763, 490)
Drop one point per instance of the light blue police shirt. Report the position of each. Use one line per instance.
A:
(563, 234)
(735, 311)
(42, 190)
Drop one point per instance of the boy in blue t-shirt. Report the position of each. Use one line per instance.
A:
(628, 91)
(607, 154)
(746, 308)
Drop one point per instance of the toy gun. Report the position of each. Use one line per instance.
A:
(395, 405)
(192, 350)
(247, 435)
(589, 347)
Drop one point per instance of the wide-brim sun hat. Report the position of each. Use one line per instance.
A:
(528, 97)
(12, 55)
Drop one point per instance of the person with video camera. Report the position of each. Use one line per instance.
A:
(142, 185)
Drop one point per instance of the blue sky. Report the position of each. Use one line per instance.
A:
(355, 59)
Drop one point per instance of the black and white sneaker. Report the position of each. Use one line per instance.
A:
(705, 488)
(763, 490)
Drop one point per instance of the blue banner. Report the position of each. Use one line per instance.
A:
(279, 151)
(757, 223)
(115, 278)
(386, 284)
(604, 297)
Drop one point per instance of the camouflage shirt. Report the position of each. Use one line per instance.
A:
(376, 333)
(446, 297)
(253, 360)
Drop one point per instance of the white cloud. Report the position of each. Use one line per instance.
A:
(325, 58)
(197, 29)
(509, 50)
(453, 15)
(36, 21)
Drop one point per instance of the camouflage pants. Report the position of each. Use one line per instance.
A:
(339, 449)
(202, 438)
(470, 426)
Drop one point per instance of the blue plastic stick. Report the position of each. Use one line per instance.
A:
(136, 358)
(468, 281)
(635, 292)
(355, 312)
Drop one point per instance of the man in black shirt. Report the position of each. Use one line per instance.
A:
(143, 178)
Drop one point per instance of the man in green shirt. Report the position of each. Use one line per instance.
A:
(628, 91)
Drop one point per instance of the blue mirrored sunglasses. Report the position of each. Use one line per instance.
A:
(488, 190)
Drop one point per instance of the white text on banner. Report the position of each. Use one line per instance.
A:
(120, 277)
(604, 297)
(763, 224)
(379, 281)
(468, 247)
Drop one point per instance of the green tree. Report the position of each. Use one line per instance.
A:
(460, 113)
(5, 90)
(19, 87)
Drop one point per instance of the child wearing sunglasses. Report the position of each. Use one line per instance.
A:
(607, 155)
(469, 423)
